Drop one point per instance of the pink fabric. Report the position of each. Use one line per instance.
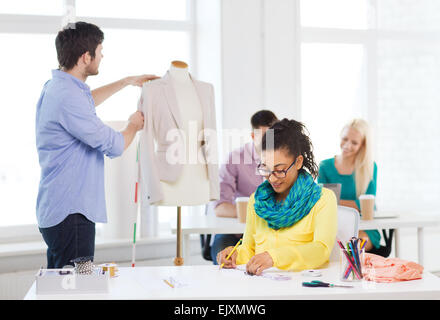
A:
(379, 269)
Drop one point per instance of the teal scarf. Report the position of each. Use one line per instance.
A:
(302, 197)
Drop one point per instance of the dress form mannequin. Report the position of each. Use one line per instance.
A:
(192, 187)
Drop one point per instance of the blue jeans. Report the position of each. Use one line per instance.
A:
(73, 238)
(221, 241)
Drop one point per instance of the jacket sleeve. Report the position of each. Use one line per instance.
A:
(313, 254)
(149, 178)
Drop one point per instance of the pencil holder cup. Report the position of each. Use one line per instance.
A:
(350, 264)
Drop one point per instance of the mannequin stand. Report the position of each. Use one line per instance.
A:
(178, 260)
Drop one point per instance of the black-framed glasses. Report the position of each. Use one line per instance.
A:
(280, 174)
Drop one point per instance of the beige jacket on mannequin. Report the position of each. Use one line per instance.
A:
(159, 106)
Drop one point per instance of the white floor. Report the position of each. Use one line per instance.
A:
(14, 286)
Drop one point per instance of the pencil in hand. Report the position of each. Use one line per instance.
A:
(230, 254)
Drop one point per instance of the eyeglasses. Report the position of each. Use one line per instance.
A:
(280, 174)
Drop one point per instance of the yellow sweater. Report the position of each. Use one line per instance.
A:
(305, 245)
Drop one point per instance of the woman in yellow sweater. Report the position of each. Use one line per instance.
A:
(291, 221)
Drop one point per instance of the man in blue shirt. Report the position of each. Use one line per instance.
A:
(71, 144)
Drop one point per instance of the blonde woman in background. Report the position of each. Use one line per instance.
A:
(356, 171)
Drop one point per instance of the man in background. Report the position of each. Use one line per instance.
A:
(71, 143)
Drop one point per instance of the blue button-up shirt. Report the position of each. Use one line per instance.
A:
(71, 143)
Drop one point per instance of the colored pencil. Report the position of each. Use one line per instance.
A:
(168, 283)
(230, 254)
(354, 255)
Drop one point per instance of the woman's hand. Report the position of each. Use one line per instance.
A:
(139, 80)
(258, 263)
(221, 258)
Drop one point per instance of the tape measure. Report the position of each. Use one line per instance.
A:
(312, 273)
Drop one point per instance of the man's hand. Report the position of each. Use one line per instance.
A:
(103, 93)
(135, 123)
(139, 80)
(137, 119)
(221, 258)
(258, 263)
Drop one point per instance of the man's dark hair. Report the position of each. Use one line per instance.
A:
(263, 118)
(292, 136)
(75, 40)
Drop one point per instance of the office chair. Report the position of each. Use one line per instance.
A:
(385, 250)
(348, 227)
(343, 219)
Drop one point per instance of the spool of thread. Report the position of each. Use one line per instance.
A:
(109, 267)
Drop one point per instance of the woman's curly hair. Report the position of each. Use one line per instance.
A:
(292, 136)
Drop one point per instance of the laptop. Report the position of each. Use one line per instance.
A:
(336, 188)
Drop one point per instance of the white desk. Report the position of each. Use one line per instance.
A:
(212, 224)
(208, 282)
(405, 221)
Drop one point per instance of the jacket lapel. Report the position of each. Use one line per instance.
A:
(174, 107)
(204, 101)
(172, 101)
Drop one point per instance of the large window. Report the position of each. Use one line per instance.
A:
(346, 14)
(334, 62)
(32, 7)
(133, 52)
(333, 86)
(133, 9)
(140, 37)
(377, 60)
(26, 66)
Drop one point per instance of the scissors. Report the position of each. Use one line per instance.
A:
(317, 283)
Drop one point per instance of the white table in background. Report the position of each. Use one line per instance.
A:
(208, 282)
(211, 224)
(404, 221)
